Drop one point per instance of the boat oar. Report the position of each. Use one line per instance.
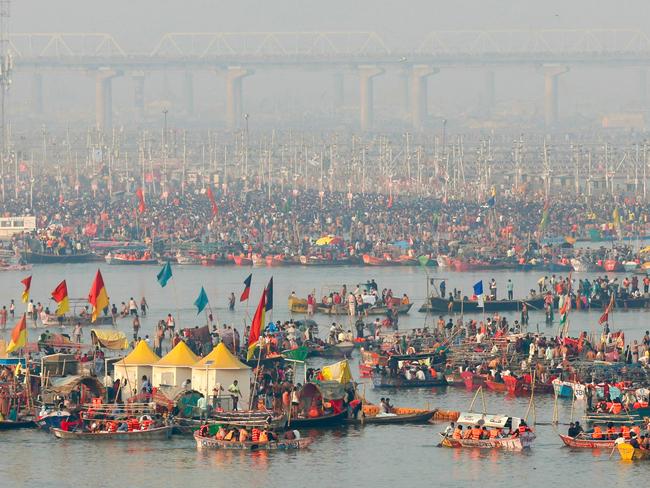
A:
(612, 453)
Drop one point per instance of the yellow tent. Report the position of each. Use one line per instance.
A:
(142, 354)
(221, 358)
(337, 372)
(110, 339)
(175, 367)
(181, 355)
(221, 367)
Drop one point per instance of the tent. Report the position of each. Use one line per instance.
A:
(175, 367)
(133, 367)
(221, 366)
(114, 340)
(338, 372)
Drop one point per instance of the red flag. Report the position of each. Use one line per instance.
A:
(141, 206)
(215, 209)
(247, 289)
(27, 283)
(605, 316)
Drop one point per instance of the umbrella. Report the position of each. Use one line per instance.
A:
(324, 241)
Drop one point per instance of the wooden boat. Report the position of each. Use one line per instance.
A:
(53, 320)
(16, 424)
(496, 386)
(524, 441)
(370, 260)
(280, 445)
(381, 381)
(439, 304)
(454, 379)
(125, 261)
(613, 265)
(584, 266)
(241, 260)
(587, 443)
(15, 267)
(327, 420)
(371, 415)
(134, 435)
(629, 453)
(402, 309)
(323, 261)
(42, 258)
(187, 259)
(517, 386)
(345, 348)
(215, 260)
(510, 443)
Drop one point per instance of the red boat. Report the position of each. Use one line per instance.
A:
(517, 386)
(612, 265)
(495, 386)
(215, 260)
(277, 260)
(241, 260)
(369, 260)
(472, 380)
(587, 443)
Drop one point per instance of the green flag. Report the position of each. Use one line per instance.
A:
(201, 301)
(165, 274)
(299, 354)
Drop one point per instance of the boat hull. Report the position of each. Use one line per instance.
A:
(281, 445)
(577, 443)
(135, 435)
(524, 441)
(330, 420)
(437, 304)
(38, 258)
(415, 418)
(379, 381)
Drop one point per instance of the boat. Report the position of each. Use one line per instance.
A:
(164, 432)
(215, 260)
(509, 443)
(439, 304)
(567, 389)
(16, 424)
(496, 386)
(187, 259)
(325, 261)
(15, 267)
(630, 266)
(613, 265)
(517, 386)
(326, 420)
(584, 266)
(385, 381)
(629, 453)
(587, 443)
(42, 258)
(241, 260)
(371, 415)
(128, 259)
(472, 380)
(345, 348)
(280, 445)
(52, 419)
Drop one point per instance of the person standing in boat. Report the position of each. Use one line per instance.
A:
(510, 289)
(235, 393)
(77, 333)
(493, 289)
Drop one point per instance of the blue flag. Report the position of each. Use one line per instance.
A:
(478, 288)
(165, 274)
(201, 301)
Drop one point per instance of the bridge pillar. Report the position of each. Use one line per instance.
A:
(551, 101)
(419, 93)
(189, 92)
(234, 95)
(489, 91)
(366, 75)
(643, 87)
(138, 92)
(339, 90)
(37, 93)
(104, 98)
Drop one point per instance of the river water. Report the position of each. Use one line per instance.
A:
(375, 456)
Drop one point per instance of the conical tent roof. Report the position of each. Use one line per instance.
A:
(221, 358)
(181, 355)
(142, 355)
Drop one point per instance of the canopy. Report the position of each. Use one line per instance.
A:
(181, 355)
(339, 372)
(329, 241)
(65, 385)
(110, 339)
(142, 355)
(484, 419)
(221, 358)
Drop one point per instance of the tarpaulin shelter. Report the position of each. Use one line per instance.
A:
(114, 340)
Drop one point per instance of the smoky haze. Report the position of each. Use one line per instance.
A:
(297, 97)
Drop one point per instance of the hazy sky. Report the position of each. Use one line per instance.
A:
(143, 21)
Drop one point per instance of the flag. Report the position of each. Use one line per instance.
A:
(140, 194)
(215, 209)
(247, 288)
(605, 316)
(60, 296)
(544, 222)
(564, 309)
(256, 326)
(390, 201)
(269, 295)
(165, 274)
(201, 301)
(98, 297)
(27, 283)
(478, 291)
(18, 335)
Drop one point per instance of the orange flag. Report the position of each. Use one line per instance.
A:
(97, 296)
(18, 335)
(27, 283)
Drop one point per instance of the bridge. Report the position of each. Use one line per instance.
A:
(239, 55)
